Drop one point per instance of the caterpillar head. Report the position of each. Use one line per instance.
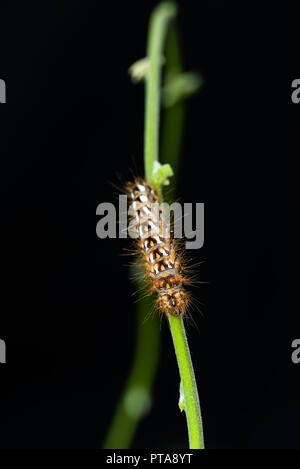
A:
(174, 303)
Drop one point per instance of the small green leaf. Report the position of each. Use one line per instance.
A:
(161, 174)
(180, 86)
(139, 69)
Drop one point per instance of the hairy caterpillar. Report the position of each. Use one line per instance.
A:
(160, 252)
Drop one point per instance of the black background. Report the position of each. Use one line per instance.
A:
(72, 121)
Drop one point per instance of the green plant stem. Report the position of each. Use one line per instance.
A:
(141, 378)
(188, 381)
(136, 396)
(143, 371)
(173, 117)
(157, 31)
(159, 20)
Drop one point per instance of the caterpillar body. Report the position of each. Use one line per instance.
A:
(160, 252)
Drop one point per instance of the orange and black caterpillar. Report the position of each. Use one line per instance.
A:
(160, 253)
